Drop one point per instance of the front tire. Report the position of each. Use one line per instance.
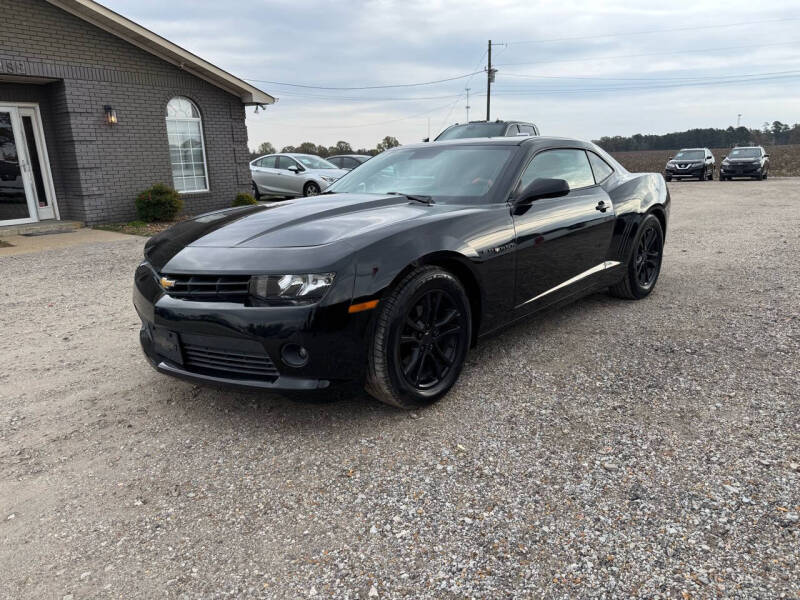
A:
(644, 266)
(256, 193)
(311, 189)
(421, 339)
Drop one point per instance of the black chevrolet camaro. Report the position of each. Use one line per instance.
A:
(393, 274)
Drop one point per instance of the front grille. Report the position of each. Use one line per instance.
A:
(210, 288)
(229, 362)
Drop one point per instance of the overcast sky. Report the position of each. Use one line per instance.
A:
(737, 56)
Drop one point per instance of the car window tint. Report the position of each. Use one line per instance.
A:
(512, 130)
(569, 165)
(284, 162)
(526, 129)
(267, 162)
(600, 167)
(336, 161)
(351, 163)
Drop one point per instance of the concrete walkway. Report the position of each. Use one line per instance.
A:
(21, 244)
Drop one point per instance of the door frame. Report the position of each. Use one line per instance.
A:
(31, 109)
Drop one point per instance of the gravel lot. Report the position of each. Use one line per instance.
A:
(611, 449)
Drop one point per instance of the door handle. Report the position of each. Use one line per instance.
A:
(602, 206)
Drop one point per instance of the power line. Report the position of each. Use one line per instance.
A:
(368, 99)
(365, 87)
(596, 58)
(704, 77)
(540, 91)
(653, 31)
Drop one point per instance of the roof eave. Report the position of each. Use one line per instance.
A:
(139, 36)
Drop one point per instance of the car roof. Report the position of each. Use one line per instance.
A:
(684, 149)
(350, 156)
(506, 141)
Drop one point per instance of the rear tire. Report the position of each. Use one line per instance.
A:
(421, 338)
(644, 265)
(256, 193)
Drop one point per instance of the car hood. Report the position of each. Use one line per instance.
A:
(301, 223)
(335, 173)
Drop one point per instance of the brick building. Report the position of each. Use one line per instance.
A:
(94, 108)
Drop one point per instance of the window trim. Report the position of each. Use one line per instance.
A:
(592, 168)
(202, 144)
(540, 151)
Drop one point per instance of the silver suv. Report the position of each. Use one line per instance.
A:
(292, 175)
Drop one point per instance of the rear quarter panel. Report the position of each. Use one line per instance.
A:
(634, 196)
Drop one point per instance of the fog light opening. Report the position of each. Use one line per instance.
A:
(294, 355)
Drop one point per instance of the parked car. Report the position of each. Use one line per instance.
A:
(479, 129)
(292, 175)
(745, 161)
(691, 163)
(348, 161)
(390, 277)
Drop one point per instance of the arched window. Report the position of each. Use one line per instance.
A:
(187, 152)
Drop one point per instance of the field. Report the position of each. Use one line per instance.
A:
(784, 160)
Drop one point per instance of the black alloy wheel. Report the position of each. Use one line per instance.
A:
(429, 340)
(311, 189)
(648, 257)
(422, 335)
(644, 265)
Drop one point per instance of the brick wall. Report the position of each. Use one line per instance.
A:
(98, 169)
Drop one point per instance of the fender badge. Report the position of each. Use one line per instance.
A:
(167, 283)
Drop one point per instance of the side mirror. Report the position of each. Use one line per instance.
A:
(294, 168)
(724, 156)
(542, 188)
(426, 139)
(766, 156)
(669, 157)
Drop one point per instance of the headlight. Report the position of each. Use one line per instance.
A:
(328, 178)
(291, 289)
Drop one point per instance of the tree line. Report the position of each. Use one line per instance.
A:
(341, 147)
(775, 134)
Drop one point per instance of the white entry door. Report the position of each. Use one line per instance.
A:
(26, 186)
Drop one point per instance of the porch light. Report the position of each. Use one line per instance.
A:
(111, 115)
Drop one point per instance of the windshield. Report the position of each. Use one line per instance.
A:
(314, 162)
(690, 155)
(447, 173)
(473, 130)
(745, 153)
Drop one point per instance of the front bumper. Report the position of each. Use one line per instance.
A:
(676, 173)
(232, 344)
(741, 170)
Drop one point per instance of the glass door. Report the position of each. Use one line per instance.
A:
(41, 184)
(16, 200)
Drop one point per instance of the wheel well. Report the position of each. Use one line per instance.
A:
(453, 264)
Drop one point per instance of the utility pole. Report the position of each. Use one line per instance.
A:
(468, 107)
(489, 80)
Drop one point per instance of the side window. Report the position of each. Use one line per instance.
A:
(526, 129)
(284, 162)
(267, 162)
(600, 167)
(570, 165)
(512, 130)
(350, 163)
(336, 161)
